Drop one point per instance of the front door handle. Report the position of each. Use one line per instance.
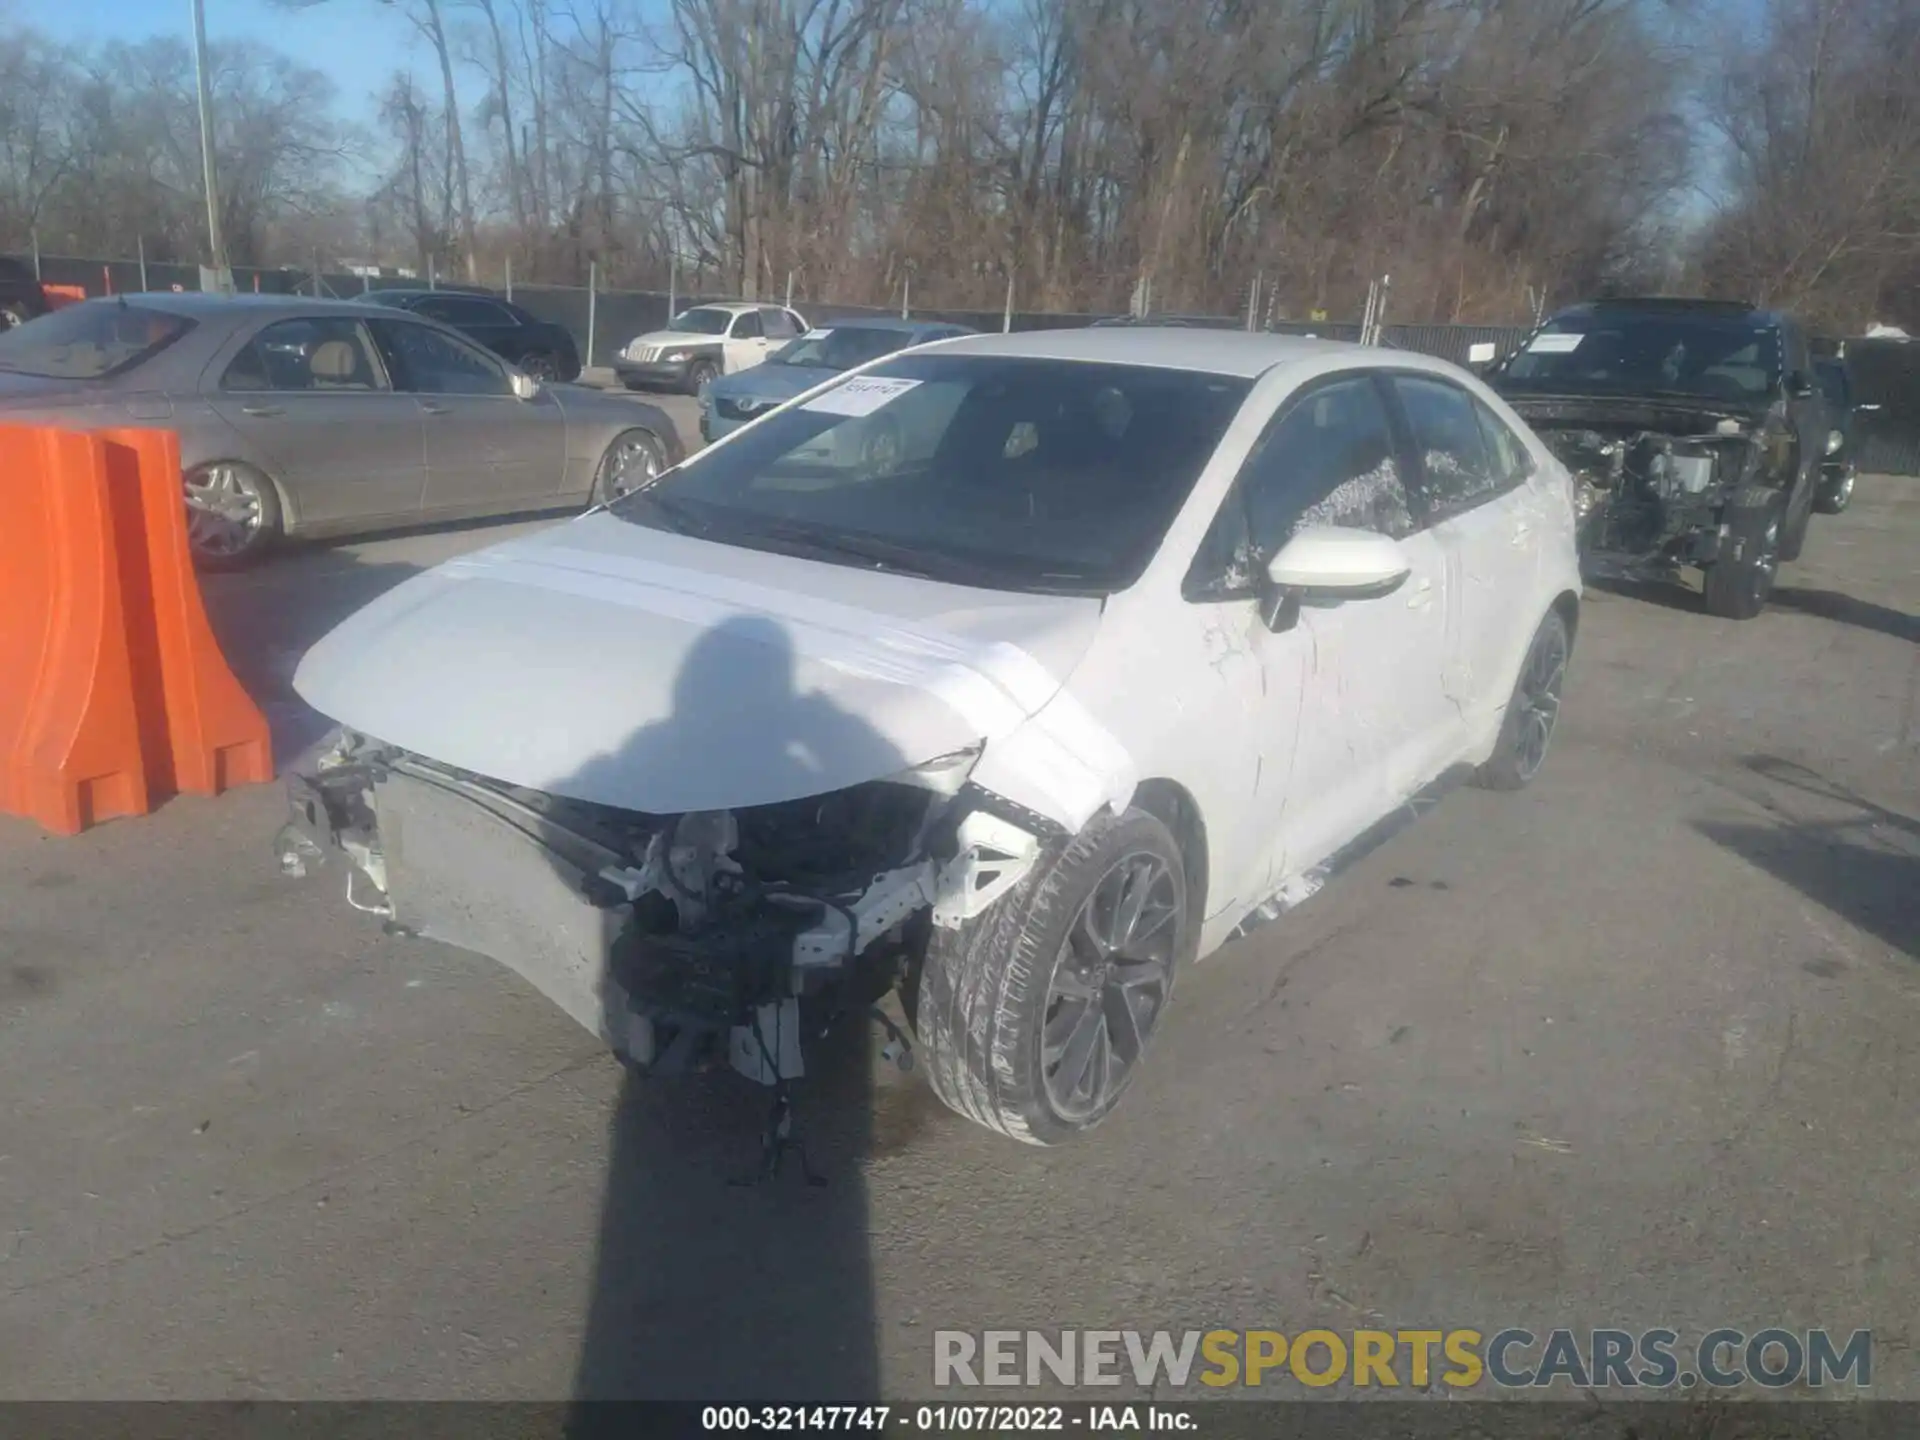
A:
(427, 407)
(1420, 597)
(261, 410)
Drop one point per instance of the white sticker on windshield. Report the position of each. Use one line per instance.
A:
(1560, 344)
(861, 395)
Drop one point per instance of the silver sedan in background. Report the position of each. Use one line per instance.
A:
(306, 417)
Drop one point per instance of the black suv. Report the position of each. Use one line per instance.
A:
(1694, 431)
(21, 298)
(537, 347)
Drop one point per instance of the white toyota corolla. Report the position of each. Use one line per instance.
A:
(1014, 672)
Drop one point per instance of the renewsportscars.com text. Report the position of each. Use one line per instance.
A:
(1509, 1358)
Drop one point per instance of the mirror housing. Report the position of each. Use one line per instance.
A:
(525, 387)
(1330, 563)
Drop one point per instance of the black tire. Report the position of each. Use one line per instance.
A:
(262, 535)
(1533, 712)
(701, 374)
(540, 366)
(1836, 494)
(608, 484)
(1740, 582)
(986, 991)
(1793, 534)
(13, 313)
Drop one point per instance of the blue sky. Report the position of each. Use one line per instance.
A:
(357, 43)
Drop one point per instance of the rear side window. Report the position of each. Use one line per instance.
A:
(748, 327)
(90, 341)
(779, 324)
(1511, 462)
(1457, 470)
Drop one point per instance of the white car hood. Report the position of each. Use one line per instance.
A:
(656, 339)
(610, 662)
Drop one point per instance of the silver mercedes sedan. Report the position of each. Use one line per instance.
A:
(304, 417)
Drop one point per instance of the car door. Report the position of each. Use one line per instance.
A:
(313, 403)
(1471, 472)
(1355, 683)
(486, 449)
(746, 342)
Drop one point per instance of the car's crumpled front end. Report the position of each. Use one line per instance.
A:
(669, 936)
(1651, 478)
(681, 802)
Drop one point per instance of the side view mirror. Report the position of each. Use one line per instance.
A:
(1330, 562)
(525, 387)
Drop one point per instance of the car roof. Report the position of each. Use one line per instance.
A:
(1219, 352)
(422, 292)
(736, 306)
(200, 304)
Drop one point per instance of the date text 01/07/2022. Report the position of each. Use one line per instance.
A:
(942, 1419)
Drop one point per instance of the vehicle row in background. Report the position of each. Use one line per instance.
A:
(814, 358)
(1694, 430)
(705, 342)
(299, 416)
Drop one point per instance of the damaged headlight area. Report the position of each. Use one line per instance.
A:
(675, 938)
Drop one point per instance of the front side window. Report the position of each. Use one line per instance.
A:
(1003, 472)
(1511, 462)
(432, 362)
(701, 320)
(89, 341)
(779, 324)
(1457, 469)
(330, 353)
(464, 311)
(747, 326)
(1329, 459)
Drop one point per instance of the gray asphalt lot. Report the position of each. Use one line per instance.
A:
(1633, 1048)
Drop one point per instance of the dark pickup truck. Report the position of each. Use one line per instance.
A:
(1694, 431)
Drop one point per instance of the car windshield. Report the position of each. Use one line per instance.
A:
(1626, 352)
(700, 321)
(1009, 473)
(842, 348)
(89, 341)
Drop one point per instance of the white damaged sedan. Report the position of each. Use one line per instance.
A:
(1015, 672)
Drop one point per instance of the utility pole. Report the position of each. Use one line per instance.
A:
(217, 257)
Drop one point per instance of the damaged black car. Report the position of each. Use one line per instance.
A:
(1693, 431)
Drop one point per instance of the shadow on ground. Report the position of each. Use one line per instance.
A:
(1846, 610)
(1858, 859)
(712, 1278)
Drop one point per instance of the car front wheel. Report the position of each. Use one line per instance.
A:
(1836, 494)
(1034, 1016)
(1740, 580)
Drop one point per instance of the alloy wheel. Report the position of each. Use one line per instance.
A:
(1539, 700)
(224, 510)
(1110, 985)
(632, 463)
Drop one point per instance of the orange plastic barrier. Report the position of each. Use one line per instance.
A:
(216, 735)
(113, 695)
